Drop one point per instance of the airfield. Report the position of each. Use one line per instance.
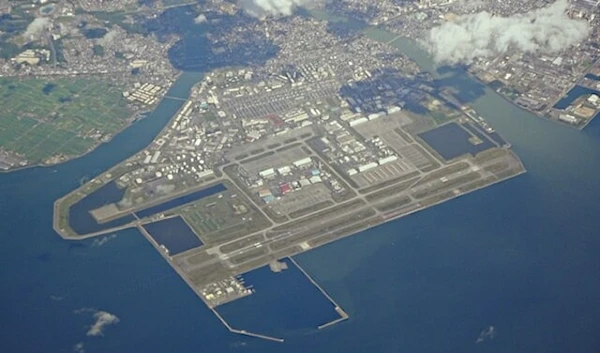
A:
(275, 198)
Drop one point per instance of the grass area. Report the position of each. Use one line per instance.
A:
(331, 226)
(392, 190)
(320, 217)
(449, 185)
(489, 155)
(242, 243)
(496, 168)
(65, 204)
(443, 172)
(41, 119)
(314, 208)
(389, 182)
(394, 204)
(440, 117)
(121, 19)
(404, 135)
(249, 255)
(175, 2)
(223, 216)
(346, 231)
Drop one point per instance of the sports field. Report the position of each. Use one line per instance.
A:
(41, 119)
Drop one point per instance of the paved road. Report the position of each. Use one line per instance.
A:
(225, 258)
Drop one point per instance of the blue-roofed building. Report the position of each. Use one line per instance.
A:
(268, 198)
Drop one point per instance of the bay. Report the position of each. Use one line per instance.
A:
(521, 256)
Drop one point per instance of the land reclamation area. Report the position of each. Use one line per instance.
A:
(268, 199)
(258, 209)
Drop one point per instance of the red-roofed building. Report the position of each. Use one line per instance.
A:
(275, 120)
(285, 188)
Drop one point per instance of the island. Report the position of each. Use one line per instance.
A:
(330, 136)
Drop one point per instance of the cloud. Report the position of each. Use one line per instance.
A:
(103, 240)
(36, 27)
(79, 348)
(487, 334)
(264, 8)
(545, 30)
(102, 319)
(56, 298)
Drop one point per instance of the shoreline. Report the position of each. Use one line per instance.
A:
(56, 216)
(169, 260)
(344, 234)
(122, 129)
(537, 115)
(479, 80)
(129, 211)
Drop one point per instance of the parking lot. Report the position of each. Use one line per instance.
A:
(416, 156)
(276, 160)
(278, 102)
(383, 125)
(383, 173)
(301, 199)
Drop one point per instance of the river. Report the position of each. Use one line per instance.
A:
(521, 256)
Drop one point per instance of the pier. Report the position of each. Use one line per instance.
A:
(338, 309)
(168, 258)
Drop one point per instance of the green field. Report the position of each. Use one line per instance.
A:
(220, 217)
(41, 119)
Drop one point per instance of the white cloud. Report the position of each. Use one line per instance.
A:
(263, 8)
(103, 319)
(545, 30)
(487, 334)
(79, 348)
(103, 240)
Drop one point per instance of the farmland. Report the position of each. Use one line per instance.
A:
(42, 119)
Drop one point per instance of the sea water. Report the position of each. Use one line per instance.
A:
(520, 256)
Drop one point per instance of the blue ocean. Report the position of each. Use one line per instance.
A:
(511, 268)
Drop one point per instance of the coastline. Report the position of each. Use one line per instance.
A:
(538, 115)
(134, 120)
(418, 44)
(321, 240)
(395, 215)
(56, 218)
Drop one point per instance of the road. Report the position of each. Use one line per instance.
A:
(378, 217)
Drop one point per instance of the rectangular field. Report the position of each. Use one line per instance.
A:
(223, 216)
(40, 119)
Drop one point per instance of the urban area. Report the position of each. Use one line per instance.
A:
(562, 85)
